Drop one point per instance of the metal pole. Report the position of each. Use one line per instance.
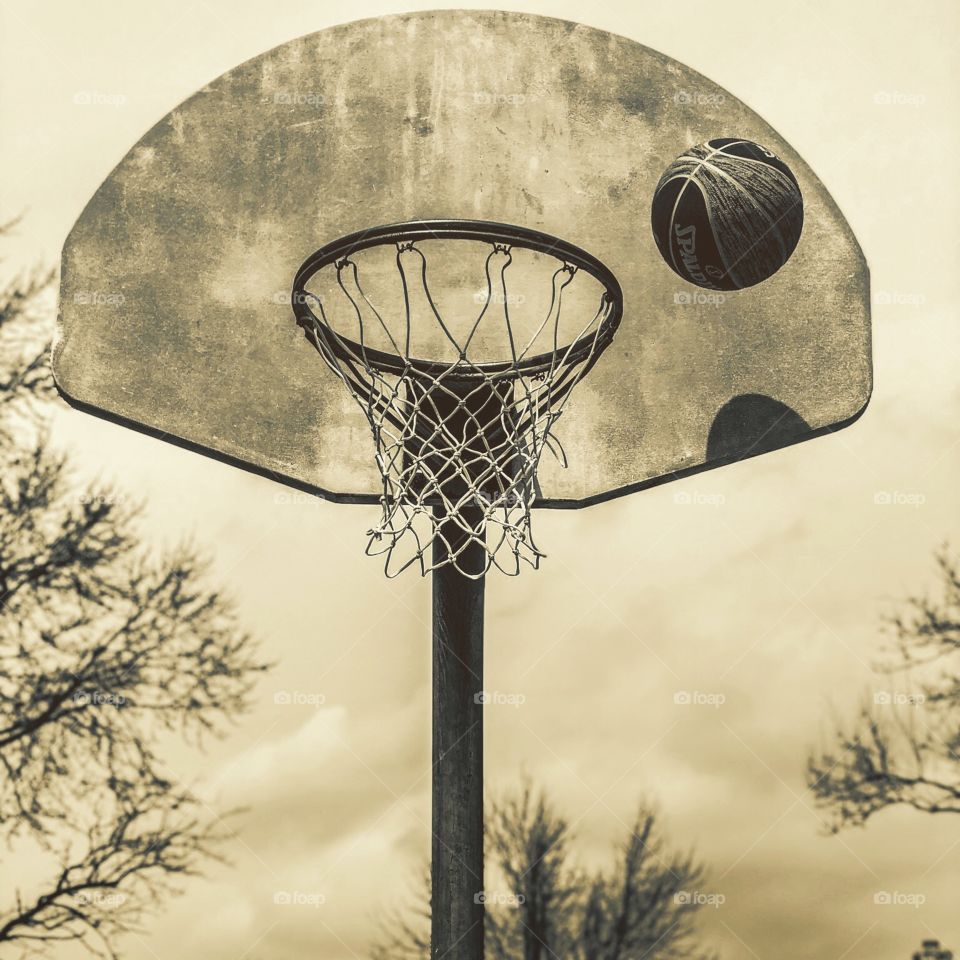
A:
(457, 873)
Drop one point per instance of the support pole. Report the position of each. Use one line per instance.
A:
(457, 872)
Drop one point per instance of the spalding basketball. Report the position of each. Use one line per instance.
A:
(727, 214)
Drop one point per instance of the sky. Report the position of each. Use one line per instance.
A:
(762, 592)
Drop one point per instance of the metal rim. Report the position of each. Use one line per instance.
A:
(480, 230)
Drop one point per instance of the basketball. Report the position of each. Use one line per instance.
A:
(727, 214)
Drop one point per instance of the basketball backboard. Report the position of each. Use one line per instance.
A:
(175, 312)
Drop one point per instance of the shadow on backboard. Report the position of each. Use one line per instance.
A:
(753, 423)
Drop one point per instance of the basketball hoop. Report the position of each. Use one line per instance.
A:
(458, 440)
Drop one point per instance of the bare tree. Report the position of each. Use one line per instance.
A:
(903, 747)
(530, 844)
(112, 874)
(24, 371)
(644, 908)
(104, 652)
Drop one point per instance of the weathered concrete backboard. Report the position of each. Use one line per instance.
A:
(174, 307)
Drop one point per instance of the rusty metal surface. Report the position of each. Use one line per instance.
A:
(174, 312)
